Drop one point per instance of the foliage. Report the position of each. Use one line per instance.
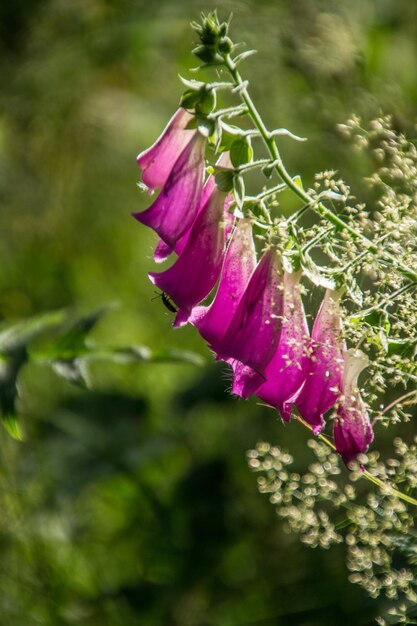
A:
(129, 502)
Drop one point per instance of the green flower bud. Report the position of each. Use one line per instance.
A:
(205, 54)
(225, 45)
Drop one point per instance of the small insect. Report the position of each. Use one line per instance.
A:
(168, 303)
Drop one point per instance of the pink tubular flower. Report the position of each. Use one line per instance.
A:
(324, 377)
(174, 210)
(254, 330)
(287, 370)
(158, 160)
(352, 429)
(197, 269)
(163, 250)
(212, 321)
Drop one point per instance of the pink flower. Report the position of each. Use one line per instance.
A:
(254, 331)
(163, 250)
(175, 209)
(288, 368)
(191, 278)
(158, 160)
(352, 428)
(212, 321)
(324, 376)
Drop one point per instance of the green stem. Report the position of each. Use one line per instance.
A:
(388, 300)
(325, 212)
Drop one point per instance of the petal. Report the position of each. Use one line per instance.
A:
(197, 269)
(288, 368)
(158, 160)
(324, 377)
(246, 380)
(352, 428)
(212, 321)
(254, 330)
(163, 250)
(174, 210)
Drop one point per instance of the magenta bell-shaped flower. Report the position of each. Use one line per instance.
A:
(352, 428)
(324, 377)
(254, 331)
(288, 368)
(163, 250)
(158, 160)
(197, 269)
(240, 260)
(174, 210)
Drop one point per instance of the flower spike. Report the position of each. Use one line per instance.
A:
(157, 161)
(174, 210)
(324, 377)
(197, 269)
(288, 368)
(352, 428)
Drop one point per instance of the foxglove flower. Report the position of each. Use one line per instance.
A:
(158, 160)
(197, 269)
(287, 370)
(174, 210)
(254, 330)
(163, 250)
(212, 321)
(352, 428)
(324, 377)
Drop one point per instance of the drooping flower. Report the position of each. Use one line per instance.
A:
(254, 331)
(174, 210)
(191, 278)
(157, 161)
(352, 428)
(163, 250)
(240, 260)
(288, 368)
(324, 376)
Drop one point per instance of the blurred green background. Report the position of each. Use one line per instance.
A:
(131, 502)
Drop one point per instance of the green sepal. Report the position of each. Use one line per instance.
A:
(205, 125)
(206, 101)
(189, 99)
(226, 137)
(224, 179)
(239, 190)
(241, 151)
(225, 45)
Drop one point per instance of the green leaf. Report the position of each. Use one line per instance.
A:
(10, 367)
(18, 334)
(73, 341)
(241, 151)
(404, 347)
(192, 85)
(243, 56)
(11, 424)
